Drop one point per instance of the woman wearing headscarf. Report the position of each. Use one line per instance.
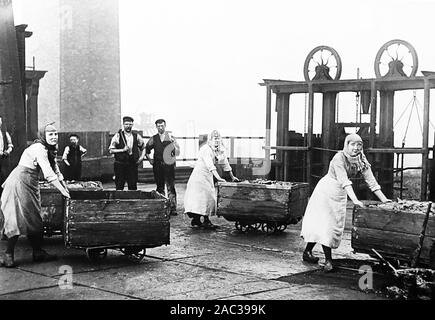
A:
(200, 197)
(21, 199)
(325, 214)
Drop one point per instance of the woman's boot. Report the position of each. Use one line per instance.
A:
(329, 267)
(7, 260)
(196, 220)
(39, 255)
(308, 256)
(208, 225)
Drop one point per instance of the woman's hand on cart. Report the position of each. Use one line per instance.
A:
(235, 179)
(359, 204)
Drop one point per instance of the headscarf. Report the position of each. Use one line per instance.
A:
(51, 149)
(357, 163)
(219, 150)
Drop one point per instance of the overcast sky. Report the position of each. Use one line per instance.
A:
(198, 63)
(201, 61)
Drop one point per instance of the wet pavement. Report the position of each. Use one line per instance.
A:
(225, 264)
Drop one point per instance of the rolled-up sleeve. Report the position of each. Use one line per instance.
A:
(149, 146)
(370, 179)
(9, 140)
(65, 153)
(140, 142)
(206, 155)
(224, 162)
(42, 159)
(339, 168)
(114, 141)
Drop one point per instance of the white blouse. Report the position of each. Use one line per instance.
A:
(209, 157)
(37, 155)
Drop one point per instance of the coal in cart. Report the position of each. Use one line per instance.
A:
(262, 204)
(53, 204)
(128, 221)
(402, 231)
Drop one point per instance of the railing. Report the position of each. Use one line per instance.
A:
(234, 151)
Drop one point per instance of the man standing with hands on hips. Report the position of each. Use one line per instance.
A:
(128, 147)
(166, 149)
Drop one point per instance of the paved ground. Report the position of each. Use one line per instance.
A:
(198, 264)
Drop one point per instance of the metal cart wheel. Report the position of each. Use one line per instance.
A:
(269, 227)
(96, 254)
(281, 227)
(320, 62)
(135, 254)
(241, 226)
(396, 58)
(256, 226)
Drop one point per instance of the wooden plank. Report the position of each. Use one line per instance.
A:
(256, 210)
(115, 234)
(281, 185)
(52, 218)
(390, 244)
(405, 222)
(116, 222)
(255, 194)
(51, 199)
(111, 194)
(262, 203)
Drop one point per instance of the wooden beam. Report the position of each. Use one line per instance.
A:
(425, 155)
(286, 148)
(386, 140)
(395, 150)
(373, 113)
(310, 131)
(328, 127)
(282, 109)
(349, 85)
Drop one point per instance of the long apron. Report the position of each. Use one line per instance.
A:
(200, 196)
(21, 203)
(325, 214)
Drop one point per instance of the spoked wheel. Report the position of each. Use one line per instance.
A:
(269, 227)
(241, 226)
(135, 254)
(255, 226)
(396, 58)
(322, 63)
(96, 254)
(281, 228)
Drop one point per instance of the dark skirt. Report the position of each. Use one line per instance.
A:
(21, 203)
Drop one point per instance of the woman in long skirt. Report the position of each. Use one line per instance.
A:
(200, 197)
(325, 214)
(21, 200)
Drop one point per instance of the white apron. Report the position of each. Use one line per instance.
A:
(200, 196)
(325, 214)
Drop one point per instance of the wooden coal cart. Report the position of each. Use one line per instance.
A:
(269, 205)
(128, 221)
(401, 231)
(53, 204)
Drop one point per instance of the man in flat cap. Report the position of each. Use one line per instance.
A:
(166, 149)
(128, 147)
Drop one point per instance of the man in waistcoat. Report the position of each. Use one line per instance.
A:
(72, 157)
(6, 148)
(166, 148)
(128, 147)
